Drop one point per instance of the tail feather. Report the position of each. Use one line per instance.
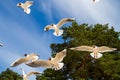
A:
(27, 11)
(99, 55)
(59, 33)
(60, 65)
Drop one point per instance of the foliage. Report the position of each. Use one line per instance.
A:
(9, 75)
(79, 65)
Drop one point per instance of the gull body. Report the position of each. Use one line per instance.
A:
(55, 63)
(55, 27)
(28, 57)
(96, 51)
(25, 6)
(25, 76)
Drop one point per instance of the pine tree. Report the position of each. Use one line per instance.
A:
(9, 75)
(80, 65)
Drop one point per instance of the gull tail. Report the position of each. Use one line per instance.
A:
(27, 11)
(59, 33)
(99, 55)
(60, 65)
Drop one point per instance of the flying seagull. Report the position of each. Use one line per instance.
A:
(28, 57)
(55, 27)
(96, 51)
(1, 44)
(25, 6)
(55, 63)
(25, 76)
(95, 0)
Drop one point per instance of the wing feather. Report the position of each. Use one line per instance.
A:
(83, 48)
(59, 56)
(18, 62)
(31, 73)
(28, 3)
(103, 49)
(40, 63)
(63, 21)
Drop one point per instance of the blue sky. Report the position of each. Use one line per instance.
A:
(21, 33)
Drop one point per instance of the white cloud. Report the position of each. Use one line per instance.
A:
(46, 8)
(86, 11)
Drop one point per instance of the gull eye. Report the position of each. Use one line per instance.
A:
(47, 29)
(25, 54)
(49, 59)
(52, 24)
(19, 4)
(94, 46)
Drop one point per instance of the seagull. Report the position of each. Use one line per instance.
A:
(95, 0)
(25, 6)
(1, 44)
(96, 51)
(25, 76)
(28, 57)
(55, 27)
(55, 63)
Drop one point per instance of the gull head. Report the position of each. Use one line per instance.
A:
(94, 46)
(19, 4)
(46, 29)
(51, 59)
(52, 24)
(38, 55)
(25, 54)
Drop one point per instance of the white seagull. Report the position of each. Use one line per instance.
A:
(55, 27)
(25, 76)
(1, 44)
(95, 0)
(96, 51)
(55, 63)
(28, 57)
(25, 6)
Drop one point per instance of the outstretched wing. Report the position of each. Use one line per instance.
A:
(83, 48)
(40, 63)
(32, 73)
(28, 3)
(18, 62)
(103, 49)
(63, 21)
(59, 56)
